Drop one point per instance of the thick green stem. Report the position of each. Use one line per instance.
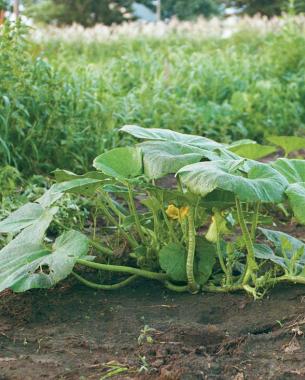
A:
(221, 261)
(156, 235)
(176, 288)
(220, 257)
(184, 225)
(103, 286)
(287, 278)
(100, 248)
(133, 243)
(232, 288)
(180, 188)
(133, 211)
(218, 248)
(222, 289)
(255, 220)
(251, 266)
(113, 206)
(193, 287)
(123, 269)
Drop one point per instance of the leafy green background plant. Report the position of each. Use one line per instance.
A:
(72, 97)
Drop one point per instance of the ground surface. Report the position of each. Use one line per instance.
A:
(73, 332)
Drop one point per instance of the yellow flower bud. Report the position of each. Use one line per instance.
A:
(183, 212)
(177, 213)
(172, 212)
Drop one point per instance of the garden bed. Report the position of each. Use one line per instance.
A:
(72, 332)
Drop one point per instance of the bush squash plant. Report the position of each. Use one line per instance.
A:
(180, 209)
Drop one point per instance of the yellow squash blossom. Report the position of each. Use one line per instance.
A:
(217, 227)
(174, 212)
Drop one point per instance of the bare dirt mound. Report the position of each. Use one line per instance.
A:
(76, 333)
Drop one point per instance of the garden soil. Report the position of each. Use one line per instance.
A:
(72, 332)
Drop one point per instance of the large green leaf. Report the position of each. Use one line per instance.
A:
(172, 136)
(239, 143)
(163, 157)
(172, 259)
(288, 143)
(219, 199)
(223, 154)
(279, 239)
(48, 270)
(26, 263)
(252, 150)
(205, 260)
(175, 196)
(167, 151)
(120, 163)
(85, 186)
(21, 218)
(296, 196)
(249, 180)
(292, 170)
(50, 197)
(264, 252)
(65, 175)
(23, 249)
(32, 234)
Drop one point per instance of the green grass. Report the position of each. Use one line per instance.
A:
(61, 104)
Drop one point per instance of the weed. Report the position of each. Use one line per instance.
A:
(145, 336)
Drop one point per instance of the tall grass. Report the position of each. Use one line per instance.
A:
(61, 102)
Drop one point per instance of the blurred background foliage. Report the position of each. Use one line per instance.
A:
(84, 12)
(269, 7)
(62, 101)
(90, 12)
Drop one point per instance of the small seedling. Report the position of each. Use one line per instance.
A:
(145, 336)
(144, 365)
